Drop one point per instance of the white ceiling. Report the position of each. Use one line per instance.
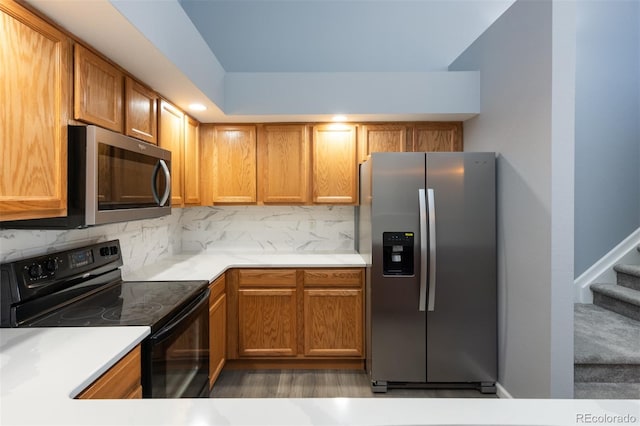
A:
(218, 37)
(340, 35)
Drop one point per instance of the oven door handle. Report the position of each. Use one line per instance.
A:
(184, 315)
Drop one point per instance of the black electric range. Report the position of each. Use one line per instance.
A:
(150, 303)
(83, 287)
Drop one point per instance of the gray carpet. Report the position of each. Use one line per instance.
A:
(604, 337)
(607, 354)
(607, 391)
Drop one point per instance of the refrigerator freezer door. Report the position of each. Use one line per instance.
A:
(461, 330)
(398, 328)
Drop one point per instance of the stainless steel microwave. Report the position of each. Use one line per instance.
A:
(111, 178)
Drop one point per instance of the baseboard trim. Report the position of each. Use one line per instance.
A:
(599, 270)
(502, 392)
(293, 363)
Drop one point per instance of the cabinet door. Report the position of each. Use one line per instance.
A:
(267, 322)
(140, 113)
(283, 164)
(234, 164)
(191, 162)
(35, 70)
(333, 322)
(217, 329)
(122, 381)
(382, 138)
(97, 90)
(171, 137)
(335, 177)
(446, 136)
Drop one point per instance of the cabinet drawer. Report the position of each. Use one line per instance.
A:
(333, 277)
(267, 277)
(120, 382)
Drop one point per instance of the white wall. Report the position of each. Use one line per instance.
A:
(607, 173)
(522, 58)
(352, 93)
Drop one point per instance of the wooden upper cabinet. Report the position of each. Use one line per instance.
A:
(234, 164)
(335, 177)
(35, 65)
(97, 90)
(382, 138)
(141, 114)
(437, 136)
(191, 162)
(283, 164)
(171, 137)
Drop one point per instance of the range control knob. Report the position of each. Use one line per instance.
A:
(35, 270)
(104, 251)
(51, 265)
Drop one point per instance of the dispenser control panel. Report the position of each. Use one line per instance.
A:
(397, 253)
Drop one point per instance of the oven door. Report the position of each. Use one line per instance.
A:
(176, 358)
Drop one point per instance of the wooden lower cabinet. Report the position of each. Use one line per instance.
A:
(333, 322)
(267, 322)
(122, 381)
(296, 316)
(217, 328)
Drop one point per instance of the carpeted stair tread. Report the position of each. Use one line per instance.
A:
(628, 269)
(628, 276)
(619, 292)
(606, 391)
(605, 337)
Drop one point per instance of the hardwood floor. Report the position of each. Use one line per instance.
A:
(317, 384)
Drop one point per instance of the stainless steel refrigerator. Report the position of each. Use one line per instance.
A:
(426, 223)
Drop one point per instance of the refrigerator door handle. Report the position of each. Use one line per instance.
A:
(432, 249)
(423, 250)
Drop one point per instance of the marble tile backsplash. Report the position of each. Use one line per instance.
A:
(284, 229)
(201, 229)
(142, 241)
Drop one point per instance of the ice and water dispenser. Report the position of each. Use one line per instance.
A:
(397, 253)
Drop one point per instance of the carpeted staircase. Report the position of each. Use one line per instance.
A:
(607, 339)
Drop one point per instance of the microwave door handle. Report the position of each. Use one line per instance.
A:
(154, 176)
(167, 190)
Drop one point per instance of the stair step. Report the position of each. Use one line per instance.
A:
(606, 353)
(616, 298)
(604, 338)
(628, 276)
(606, 391)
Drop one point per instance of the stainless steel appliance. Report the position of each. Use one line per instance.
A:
(83, 287)
(426, 223)
(111, 178)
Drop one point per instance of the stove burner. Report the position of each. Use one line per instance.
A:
(134, 312)
(82, 313)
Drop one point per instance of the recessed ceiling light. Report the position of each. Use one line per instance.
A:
(339, 118)
(197, 107)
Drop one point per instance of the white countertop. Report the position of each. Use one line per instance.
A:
(208, 266)
(42, 369)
